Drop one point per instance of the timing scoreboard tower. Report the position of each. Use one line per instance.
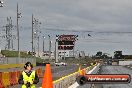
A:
(66, 42)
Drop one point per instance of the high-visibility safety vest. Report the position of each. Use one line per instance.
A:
(28, 79)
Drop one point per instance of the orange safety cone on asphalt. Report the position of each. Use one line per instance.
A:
(47, 80)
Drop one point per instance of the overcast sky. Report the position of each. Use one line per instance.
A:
(108, 21)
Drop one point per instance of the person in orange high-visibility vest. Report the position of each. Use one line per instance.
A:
(28, 78)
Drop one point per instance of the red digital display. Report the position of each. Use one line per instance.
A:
(67, 38)
(66, 42)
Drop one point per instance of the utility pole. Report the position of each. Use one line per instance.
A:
(18, 16)
(18, 35)
(8, 34)
(35, 33)
(17, 29)
(11, 34)
(32, 36)
(12, 44)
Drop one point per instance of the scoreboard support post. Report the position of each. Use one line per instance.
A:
(56, 49)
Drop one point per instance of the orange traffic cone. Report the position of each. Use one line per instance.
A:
(47, 80)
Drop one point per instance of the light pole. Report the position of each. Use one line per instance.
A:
(49, 47)
(43, 46)
(32, 35)
(18, 16)
(43, 43)
(38, 46)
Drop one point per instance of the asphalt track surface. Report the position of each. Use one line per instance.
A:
(112, 70)
(57, 72)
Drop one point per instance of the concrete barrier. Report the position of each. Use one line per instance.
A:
(94, 70)
(70, 80)
(67, 81)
